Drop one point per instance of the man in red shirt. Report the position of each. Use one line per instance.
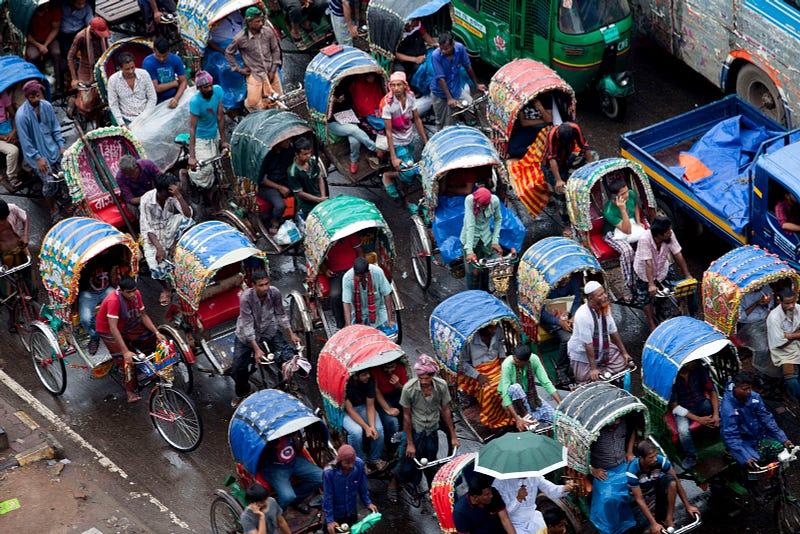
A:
(41, 41)
(123, 324)
(339, 260)
(389, 381)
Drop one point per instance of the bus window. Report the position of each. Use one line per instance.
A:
(577, 16)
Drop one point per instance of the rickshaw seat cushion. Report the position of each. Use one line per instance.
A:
(221, 308)
(669, 419)
(265, 207)
(601, 250)
(111, 215)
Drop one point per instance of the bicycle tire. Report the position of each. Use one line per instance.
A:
(171, 409)
(47, 361)
(224, 514)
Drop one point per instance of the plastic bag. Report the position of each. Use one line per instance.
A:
(288, 234)
(157, 130)
(611, 503)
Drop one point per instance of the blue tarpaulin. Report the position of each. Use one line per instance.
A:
(450, 219)
(727, 150)
(326, 71)
(232, 83)
(14, 69)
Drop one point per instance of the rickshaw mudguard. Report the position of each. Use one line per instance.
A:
(305, 313)
(396, 301)
(195, 18)
(14, 69)
(546, 263)
(454, 322)
(582, 182)
(177, 337)
(387, 18)
(734, 274)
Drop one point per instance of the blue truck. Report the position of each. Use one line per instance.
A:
(727, 166)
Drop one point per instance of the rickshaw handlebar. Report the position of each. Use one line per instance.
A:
(5, 271)
(222, 155)
(686, 528)
(488, 263)
(608, 377)
(424, 463)
(785, 456)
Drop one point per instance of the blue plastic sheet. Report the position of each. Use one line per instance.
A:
(727, 150)
(557, 257)
(232, 83)
(14, 69)
(611, 511)
(449, 220)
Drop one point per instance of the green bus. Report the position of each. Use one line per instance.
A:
(588, 42)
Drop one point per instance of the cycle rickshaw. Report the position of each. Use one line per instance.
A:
(212, 263)
(90, 167)
(512, 90)
(329, 222)
(251, 143)
(107, 63)
(66, 250)
(453, 161)
(326, 78)
(261, 418)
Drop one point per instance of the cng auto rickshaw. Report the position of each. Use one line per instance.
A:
(588, 42)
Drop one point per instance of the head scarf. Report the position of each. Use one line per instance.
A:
(425, 365)
(203, 78)
(346, 452)
(481, 198)
(31, 87)
(253, 12)
(398, 76)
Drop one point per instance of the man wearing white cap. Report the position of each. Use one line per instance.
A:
(595, 346)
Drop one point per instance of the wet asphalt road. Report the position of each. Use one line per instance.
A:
(96, 408)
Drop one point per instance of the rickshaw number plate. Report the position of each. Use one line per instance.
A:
(610, 33)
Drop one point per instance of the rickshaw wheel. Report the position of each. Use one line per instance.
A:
(22, 318)
(225, 512)
(788, 514)
(398, 317)
(297, 323)
(420, 260)
(175, 417)
(49, 366)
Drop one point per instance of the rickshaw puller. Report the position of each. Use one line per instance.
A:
(87, 47)
(783, 334)
(206, 130)
(608, 462)
(14, 232)
(343, 483)
(596, 346)
(262, 316)
(480, 235)
(135, 177)
(481, 375)
(367, 297)
(123, 323)
(518, 378)
(446, 85)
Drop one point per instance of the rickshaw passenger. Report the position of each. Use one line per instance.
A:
(480, 235)
(412, 50)
(623, 227)
(123, 324)
(8, 141)
(563, 144)
(481, 510)
(262, 515)
(344, 29)
(361, 97)
(554, 519)
(42, 39)
(518, 378)
(389, 381)
(749, 430)
(652, 477)
(164, 215)
(783, 334)
(344, 483)
(305, 178)
(262, 318)
(561, 325)
(290, 475)
(595, 345)
(206, 129)
(95, 285)
(519, 496)
(167, 72)
(135, 177)
(88, 46)
(373, 306)
(608, 458)
(339, 260)
(753, 311)
(130, 91)
(41, 140)
(651, 263)
(274, 186)
(694, 398)
(261, 54)
(446, 85)
(534, 116)
(361, 420)
(480, 376)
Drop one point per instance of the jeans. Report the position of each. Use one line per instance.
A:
(87, 302)
(355, 435)
(274, 197)
(243, 358)
(355, 136)
(341, 31)
(427, 445)
(683, 423)
(308, 479)
(390, 423)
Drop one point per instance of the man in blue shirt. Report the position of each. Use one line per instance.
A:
(167, 71)
(206, 128)
(342, 484)
(749, 431)
(446, 85)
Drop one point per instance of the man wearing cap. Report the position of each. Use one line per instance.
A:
(480, 235)
(86, 49)
(206, 129)
(343, 482)
(261, 54)
(42, 39)
(367, 297)
(41, 141)
(130, 91)
(595, 346)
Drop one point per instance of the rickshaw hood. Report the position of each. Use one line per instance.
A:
(195, 18)
(386, 20)
(14, 69)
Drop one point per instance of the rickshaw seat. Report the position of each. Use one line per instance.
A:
(669, 419)
(265, 207)
(111, 215)
(221, 308)
(601, 250)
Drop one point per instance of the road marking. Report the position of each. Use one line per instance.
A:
(101, 458)
(26, 420)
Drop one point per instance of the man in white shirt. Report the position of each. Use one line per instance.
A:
(595, 346)
(519, 496)
(130, 91)
(783, 334)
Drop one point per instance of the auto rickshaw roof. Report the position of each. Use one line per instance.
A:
(673, 344)
(21, 12)
(14, 69)
(67, 248)
(443, 489)
(204, 249)
(353, 348)
(386, 20)
(195, 18)
(262, 417)
(736, 273)
(454, 147)
(327, 69)
(582, 413)
(257, 134)
(544, 265)
(582, 181)
(337, 218)
(455, 321)
(513, 86)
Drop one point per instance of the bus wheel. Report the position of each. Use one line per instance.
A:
(753, 85)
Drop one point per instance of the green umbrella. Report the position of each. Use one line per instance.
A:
(520, 455)
(366, 523)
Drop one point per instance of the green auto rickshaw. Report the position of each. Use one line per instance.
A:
(587, 42)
